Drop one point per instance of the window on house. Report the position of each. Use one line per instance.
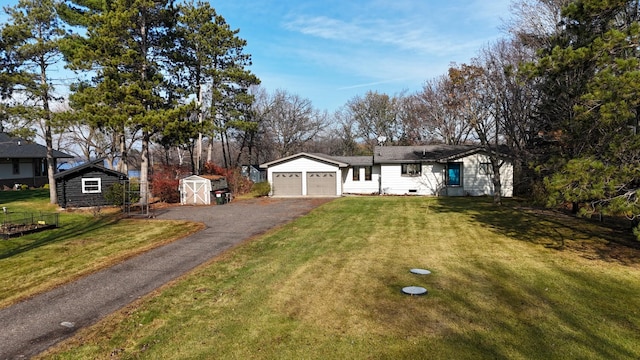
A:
(486, 169)
(356, 173)
(39, 167)
(16, 166)
(91, 185)
(367, 173)
(454, 174)
(410, 170)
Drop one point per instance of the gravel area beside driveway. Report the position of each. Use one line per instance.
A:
(32, 326)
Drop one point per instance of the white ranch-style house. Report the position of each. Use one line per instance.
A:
(432, 170)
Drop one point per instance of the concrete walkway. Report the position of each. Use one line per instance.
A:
(34, 325)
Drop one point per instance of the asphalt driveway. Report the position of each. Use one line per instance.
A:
(32, 326)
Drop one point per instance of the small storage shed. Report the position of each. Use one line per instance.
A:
(195, 190)
(87, 184)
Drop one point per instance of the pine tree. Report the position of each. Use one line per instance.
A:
(124, 47)
(31, 40)
(599, 146)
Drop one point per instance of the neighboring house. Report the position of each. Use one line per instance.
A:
(254, 173)
(437, 170)
(87, 184)
(24, 162)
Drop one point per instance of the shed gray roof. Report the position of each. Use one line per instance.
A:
(15, 147)
(431, 153)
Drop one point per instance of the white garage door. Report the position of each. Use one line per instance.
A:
(321, 184)
(287, 184)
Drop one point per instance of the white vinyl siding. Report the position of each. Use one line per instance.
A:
(476, 182)
(361, 186)
(394, 182)
(432, 180)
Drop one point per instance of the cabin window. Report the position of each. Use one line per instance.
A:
(91, 185)
(16, 166)
(367, 173)
(40, 168)
(454, 174)
(410, 170)
(356, 173)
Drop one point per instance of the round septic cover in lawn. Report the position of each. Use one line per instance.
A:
(414, 290)
(421, 271)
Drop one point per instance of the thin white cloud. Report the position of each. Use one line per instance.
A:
(412, 35)
(367, 85)
(381, 32)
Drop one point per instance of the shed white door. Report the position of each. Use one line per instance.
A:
(196, 192)
(321, 184)
(287, 184)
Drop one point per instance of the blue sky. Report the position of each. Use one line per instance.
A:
(331, 51)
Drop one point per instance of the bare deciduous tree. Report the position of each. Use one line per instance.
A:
(534, 22)
(441, 121)
(291, 122)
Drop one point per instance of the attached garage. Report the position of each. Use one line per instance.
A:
(287, 184)
(305, 175)
(321, 183)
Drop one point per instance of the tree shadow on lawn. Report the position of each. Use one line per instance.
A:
(506, 313)
(10, 196)
(34, 241)
(552, 229)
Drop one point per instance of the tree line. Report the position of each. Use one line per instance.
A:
(146, 72)
(558, 93)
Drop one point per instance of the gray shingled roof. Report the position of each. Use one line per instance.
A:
(14, 147)
(321, 157)
(432, 153)
(394, 154)
(354, 160)
(94, 164)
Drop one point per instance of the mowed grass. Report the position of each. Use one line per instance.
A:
(506, 283)
(82, 244)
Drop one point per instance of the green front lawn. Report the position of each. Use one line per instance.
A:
(83, 243)
(506, 283)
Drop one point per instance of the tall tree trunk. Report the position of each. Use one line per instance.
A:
(497, 183)
(224, 152)
(122, 164)
(231, 164)
(51, 165)
(144, 168)
(198, 159)
(48, 137)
